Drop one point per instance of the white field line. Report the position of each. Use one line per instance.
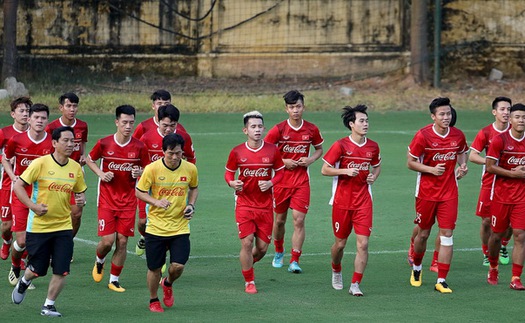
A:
(372, 252)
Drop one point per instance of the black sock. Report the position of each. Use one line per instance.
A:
(153, 300)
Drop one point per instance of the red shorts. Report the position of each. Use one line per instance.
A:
(446, 213)
(483, 207)
(141, 205)
(296, 198)
(20, 213)
(6, 205)
(256, 221)
(110, 221)
(505, 215)
(343, 220)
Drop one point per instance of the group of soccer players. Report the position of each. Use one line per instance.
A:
(152, 168)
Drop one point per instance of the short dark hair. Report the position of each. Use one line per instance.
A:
(57, 133)
(39, 107)
(21, 100)
(293, 96)
(169, 111)
(517, 107)
(252, 114)
(500, 99)
(172, 140)
(454, 117)
(348, 114)
(160, 95)
(438, 102)
(124, 109)
(72, 97)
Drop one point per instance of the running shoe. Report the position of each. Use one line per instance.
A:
(416, 278)
(516, 284)
(50, 310)
(19, 292)
(250, 288)
(354, 290)
(14, 274)
(486, 260)
(115, 286)
(4, 252)
(434, 266)
(294, 268)
(156, 307)
(98, 272)
(278, 260)
(140, 248)
(492, 277)
(443, 288)
(504, 258)
(337, 280)
(168, 294)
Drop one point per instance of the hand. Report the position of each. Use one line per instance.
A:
(107, 176)
(290, 163)
(352, 172)
(80, 199)
(236, 185)
(439, 169)
(370, 179)
(519, 170)
(136, 171)
(188, 211)
(82, 160)
(40, 209)
(463, 170)
(304, 161)
(265, 185)
(165, 204)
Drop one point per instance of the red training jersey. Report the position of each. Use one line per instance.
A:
(509, 153)
(7, 133)
(254, 165)
(294, 143)
(151, 124)
(119, 193)
(24, 149)
(153, 141)
(81, 135)
(352, 193)
(431, 149)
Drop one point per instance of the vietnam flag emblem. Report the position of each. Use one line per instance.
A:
(183, 179)
(71, 175)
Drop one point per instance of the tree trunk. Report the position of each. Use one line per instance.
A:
(418, 41)
(9, 64)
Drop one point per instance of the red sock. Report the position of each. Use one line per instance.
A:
(249, 275)
(493, 261)
(357, 277)
(279, 245)
(517, 270)
(418, 258)
(15, 261)
(100, 256)
(436, 256)
(295, 255)
(504, 242)
(7, 235)
(443, 270)
(336, 268)
(485, 249)
(116, 270)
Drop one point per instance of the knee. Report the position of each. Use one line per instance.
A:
(176, 268)
(339, 245)
(485, 222)
(519, 236)
(446, 241)
(280, 220)
(299, 221)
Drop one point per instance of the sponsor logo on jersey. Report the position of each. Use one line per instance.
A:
(51, 172)
(286, 137)
(510, 147)
(435, 144)
(244, 160)
(156, 157)
(516, 160)
(299, 149)
(260, 172)
(445, 157)
(359, 166)
(111, 153)
(175, 191)
(65, 188)
(124, 167)
(25, 162)
(23, 150)
(155, 146)
(161, 178)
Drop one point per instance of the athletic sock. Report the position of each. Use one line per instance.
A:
(115, 272)
(166, 283)
(357, 277)
(295, 255)
(336, 268)
(249, 275)
(493, 262)
(101, 259)
(517, 269)
(504, 242)
(418, 258)
(443, 270)
(49, 302)
(435, 256)
(15, 261)
(279, 245)
(153, 300)
(485, 249)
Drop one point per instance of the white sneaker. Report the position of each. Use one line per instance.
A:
(354, 290)
(337, 280)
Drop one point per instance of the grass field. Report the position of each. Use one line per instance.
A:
(211, 289)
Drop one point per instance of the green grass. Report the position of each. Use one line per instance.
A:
(211, 288)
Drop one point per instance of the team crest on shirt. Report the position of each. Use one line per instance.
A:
(435, 144)
(286, 137)
(349, 153)
(161, 178)
(51, 172)
(183, 178)
(131, 155)
(265, 159)
(71, 175)
(23, 150)
(110, 152)
(244, 160)
(510, 147)
(306, 137)
(154, 146)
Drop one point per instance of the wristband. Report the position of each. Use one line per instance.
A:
(192, 206)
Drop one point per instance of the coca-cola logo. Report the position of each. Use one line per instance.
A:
(25, 162)
(155, 157)
(77, 147)
(65, 188)
(359, 166)
(124, 167)
(299, 149)
(444, 157)
(176, 191)
(516, 161)
(261, 172)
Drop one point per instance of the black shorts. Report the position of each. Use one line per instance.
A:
(156, 247)
(57, 246)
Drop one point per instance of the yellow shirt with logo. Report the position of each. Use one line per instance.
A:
(172, 185)
(53, 185)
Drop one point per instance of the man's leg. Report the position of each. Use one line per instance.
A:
(278, 239)
(7, 237)
(361, 259)
(518, 256)
(76, 218)
(246, 259)
(337, 253)
(445, 253)
(297, 240)
(153, 278)
(117, 263)
(484, 234)
(103, 248)
(19, 247)
(420, 247)
(504, 258)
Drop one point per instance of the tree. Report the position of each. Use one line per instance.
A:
(9, 64)
(418, 41)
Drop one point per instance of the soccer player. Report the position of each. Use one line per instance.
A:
(158, 98)
(505, 159)
(49, 228)
(255, 161)
(122, 158)
(169, 186)
(168, 120)
(19, 113)
(355, 164)
(19, 152)
(433, 153)
(68, 106)
(293, 137)
(500, 111)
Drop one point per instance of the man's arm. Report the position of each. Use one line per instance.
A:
(328, 170)
(493, 168)
(307, 161)
(414, 164)
(192, 198)
(19, 189)
(475, 157)
(8, 167)
(374, 174)
(105, 177)
(462, 170)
